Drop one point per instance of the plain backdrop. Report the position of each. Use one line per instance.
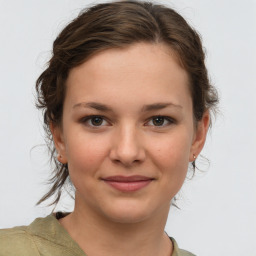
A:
(218, 206)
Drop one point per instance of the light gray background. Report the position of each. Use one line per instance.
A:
(218, 207)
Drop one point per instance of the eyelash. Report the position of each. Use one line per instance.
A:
(88, 118)
(166, 118)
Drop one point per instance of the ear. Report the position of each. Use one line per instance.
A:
(59, 142)
(199, 136)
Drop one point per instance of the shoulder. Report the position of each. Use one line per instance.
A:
(179, 252)
(43, 237)
(13, 241)
(185, 253)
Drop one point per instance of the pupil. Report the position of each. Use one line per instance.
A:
(97, 121)
(158, 121)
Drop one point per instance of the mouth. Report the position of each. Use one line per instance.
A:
(128, 183)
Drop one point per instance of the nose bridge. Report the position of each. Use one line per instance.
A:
(127, 148)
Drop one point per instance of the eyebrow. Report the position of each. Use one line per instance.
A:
(95, 105)
(145, 108)
(158, 106)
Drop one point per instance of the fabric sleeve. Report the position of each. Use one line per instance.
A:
(16, 242)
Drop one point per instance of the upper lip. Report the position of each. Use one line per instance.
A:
(121, 178)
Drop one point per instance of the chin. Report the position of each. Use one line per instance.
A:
(128, 212)
(127, 217)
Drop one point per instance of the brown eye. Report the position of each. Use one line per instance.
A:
(158, 121)
(96, 121)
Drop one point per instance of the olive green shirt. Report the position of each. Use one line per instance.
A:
(46, 237)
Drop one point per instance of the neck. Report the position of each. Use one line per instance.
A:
(97, 235)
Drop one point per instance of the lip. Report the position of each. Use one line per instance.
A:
(128, 183)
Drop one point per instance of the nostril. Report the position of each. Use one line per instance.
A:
(126, 163)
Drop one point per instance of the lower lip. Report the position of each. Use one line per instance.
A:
(128, 186)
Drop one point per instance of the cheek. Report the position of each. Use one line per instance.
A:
(85, 157)
(171, 154)
(86, 153)
(171, 159)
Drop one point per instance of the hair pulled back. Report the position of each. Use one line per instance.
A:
(117, 25)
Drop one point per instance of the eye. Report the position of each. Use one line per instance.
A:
(160, 121)
(94, 121)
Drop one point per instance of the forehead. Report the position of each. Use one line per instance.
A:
(141, 72)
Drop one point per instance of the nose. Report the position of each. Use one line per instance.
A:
(127, 147)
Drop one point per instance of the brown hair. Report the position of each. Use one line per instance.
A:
(117, 25)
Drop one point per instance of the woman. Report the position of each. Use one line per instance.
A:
(127, 103)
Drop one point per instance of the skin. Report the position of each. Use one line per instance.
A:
(128, 141)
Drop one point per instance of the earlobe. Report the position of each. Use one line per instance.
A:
(59, 143)
(200, 136)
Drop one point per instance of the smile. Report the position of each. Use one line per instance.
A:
(128, 184)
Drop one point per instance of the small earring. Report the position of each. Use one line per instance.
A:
(194, 163)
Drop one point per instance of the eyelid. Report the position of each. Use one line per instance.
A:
(85, 120)
(168, 118)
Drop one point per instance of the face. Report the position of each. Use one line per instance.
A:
(128, 132)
